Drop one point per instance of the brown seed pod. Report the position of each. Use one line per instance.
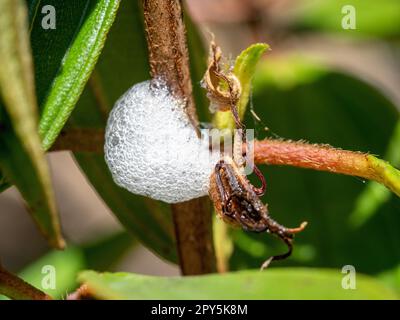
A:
(237, 203)
(235, 199)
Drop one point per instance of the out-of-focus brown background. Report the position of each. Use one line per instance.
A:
(236, 24)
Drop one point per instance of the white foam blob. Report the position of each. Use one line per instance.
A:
(152, 149)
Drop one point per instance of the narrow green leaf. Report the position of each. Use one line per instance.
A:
(75, 55)
(223, 243)
(244, 69)
(270, 284)
(21, 156)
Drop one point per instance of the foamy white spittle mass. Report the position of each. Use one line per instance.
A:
(152, 149)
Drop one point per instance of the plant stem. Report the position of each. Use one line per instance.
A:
(169, 60)
(327, 158)
(168, 53)
(80, 140)
(312, 156)
(193, 233)
(16, 288)
(275, 152)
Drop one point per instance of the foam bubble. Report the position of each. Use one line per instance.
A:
(152, 149)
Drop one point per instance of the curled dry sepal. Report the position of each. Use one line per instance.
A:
(223, 88)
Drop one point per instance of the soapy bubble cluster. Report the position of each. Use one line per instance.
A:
(152, 149)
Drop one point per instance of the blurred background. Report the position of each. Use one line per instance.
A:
(316, 65)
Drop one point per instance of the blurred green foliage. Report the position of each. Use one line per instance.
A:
(350, 222)
(374, 19)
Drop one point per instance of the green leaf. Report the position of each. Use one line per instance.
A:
(223, 244)
(373, 19)
(123, 63)
(298, 99)
(21, 156)
(244, 69)
(271, 284)
(64, 57)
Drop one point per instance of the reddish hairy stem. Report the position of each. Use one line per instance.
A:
(273, 152)
(313, 156)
